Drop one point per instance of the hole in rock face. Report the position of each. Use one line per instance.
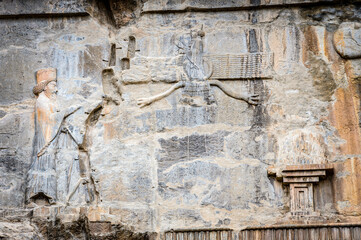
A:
(124, 63)
(112, 57)
(40, 199)
(131, 47)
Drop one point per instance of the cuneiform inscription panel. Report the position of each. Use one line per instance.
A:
(241, 66)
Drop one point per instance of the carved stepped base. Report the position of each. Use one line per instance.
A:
(301, 180)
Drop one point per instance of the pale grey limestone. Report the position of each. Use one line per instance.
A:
(194, 151)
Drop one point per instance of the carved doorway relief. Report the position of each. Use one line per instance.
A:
(301, 180)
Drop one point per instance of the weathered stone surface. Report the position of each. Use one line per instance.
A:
(13, 163)
(177, 150)
(10, 8)
(182, 107)
(347, 40)
(185, 116)
(298, 147)
(189, 5)
(83, 229)
(18, 230)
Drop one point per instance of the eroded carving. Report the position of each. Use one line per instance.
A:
(242, 66)
(191, 70)
(301, 180)
(131, 47)
(57, 172)
(196, 88)
(112, 86)
(146, 101)
(122, 11)
(193, 56)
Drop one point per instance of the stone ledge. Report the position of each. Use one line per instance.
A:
(295, 226)
(198, 6)
(43, 15)
(306, 167)
(44, 8)
(199, 230)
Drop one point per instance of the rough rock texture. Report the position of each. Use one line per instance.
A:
(151, 141)
(347, 40)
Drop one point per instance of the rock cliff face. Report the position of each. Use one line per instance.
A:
(171, 119)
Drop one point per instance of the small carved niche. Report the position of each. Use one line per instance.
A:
(131, 47)
(112, 57)
(125, 63)
(41, 199)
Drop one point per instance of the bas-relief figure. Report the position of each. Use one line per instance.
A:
(54, 175)
(191, 70)
(112, 86)
(197, 81)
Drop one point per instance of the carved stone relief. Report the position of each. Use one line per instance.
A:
(112, 86)
(243, 66)
(301, 180)
(192, 71)
(59, 170)
(197, 81)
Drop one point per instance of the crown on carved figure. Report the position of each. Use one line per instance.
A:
(48, 74)
(43, 77)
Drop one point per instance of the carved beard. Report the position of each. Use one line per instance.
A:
(53, 95)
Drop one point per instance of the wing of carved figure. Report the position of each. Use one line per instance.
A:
(142, 102)
(249, 98)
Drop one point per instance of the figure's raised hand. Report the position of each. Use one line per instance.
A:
(253, 99)
(142, 102)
